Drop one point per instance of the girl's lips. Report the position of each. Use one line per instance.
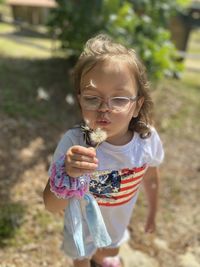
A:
(103, 122)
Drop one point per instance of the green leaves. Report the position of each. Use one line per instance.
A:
(140, 24)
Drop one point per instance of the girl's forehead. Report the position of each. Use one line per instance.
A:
(111, 65)
(114, 73)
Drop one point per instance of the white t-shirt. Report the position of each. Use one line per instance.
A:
(115, 184)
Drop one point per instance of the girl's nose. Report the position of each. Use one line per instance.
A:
(104, 107)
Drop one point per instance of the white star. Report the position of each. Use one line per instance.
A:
(92, 184)
(115, 189)
(99, 189)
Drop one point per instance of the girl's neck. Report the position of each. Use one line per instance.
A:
(120, 141)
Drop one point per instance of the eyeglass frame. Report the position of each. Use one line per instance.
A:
(130, 98)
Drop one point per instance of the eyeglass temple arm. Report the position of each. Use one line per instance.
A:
(133, 98)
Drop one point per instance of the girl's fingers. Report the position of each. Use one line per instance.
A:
(83, 165)
(89, 152)
(80, 160)
(78, 157)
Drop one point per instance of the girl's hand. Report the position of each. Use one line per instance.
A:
(80, 160)
(150, 226)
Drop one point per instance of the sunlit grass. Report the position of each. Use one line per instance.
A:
(20, 48)
(178, 106)
(18, 43)
(5, 28)
(194, 45)
(5, 9)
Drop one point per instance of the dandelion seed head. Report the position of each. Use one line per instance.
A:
(98, 136)
(86, 127)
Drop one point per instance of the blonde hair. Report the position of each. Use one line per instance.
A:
(101, 48)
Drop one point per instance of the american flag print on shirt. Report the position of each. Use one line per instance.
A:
(114, 188)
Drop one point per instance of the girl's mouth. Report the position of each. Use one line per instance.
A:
(102, 122)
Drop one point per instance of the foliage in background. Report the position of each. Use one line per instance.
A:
(75, 21)
(141, 24)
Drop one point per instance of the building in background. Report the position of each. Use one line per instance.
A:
(32, 11)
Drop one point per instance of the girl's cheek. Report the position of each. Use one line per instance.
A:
(89, 117)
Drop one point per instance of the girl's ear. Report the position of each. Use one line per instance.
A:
(139, 104)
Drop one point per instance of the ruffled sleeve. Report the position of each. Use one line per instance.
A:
(61, 184)
(154, 149)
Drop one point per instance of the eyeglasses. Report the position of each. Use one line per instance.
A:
(118, 103)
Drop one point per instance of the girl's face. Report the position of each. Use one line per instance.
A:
(106, 80)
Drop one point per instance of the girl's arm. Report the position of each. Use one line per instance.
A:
(78, 161)
(51, 202)
(151, 186)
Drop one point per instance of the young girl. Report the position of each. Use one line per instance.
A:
(113, 94)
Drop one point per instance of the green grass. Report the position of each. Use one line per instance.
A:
(11, 218)
(5, 28)
(26, 65)
(23, 47)
(5, 9)
(178, 106)
(31, 42)
(43, 219)
(17, 43)
(194, 47)
(14, 216)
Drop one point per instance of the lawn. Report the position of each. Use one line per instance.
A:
(35, 112)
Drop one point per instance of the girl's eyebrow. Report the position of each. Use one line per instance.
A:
(121, 89)
(89, 87)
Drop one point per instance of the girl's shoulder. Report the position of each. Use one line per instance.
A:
(150, 140)
(70, 138)
(73, 135)
(73, 132)
(152, 147)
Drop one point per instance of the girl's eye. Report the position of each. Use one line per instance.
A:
(120, 101)
(90, 100)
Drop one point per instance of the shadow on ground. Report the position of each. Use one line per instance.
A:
(30, 127)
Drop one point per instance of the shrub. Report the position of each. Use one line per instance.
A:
(141, 24)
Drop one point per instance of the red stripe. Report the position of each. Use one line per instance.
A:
(125, 195)
(128, 180)
(114, 204)
(140, 168)
(132, 171)
(129, 187)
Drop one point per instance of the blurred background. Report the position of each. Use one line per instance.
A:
(40, 41)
